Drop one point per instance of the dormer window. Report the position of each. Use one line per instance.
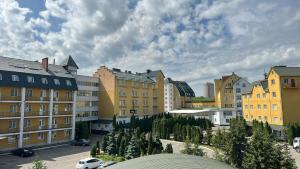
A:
(56, 82)
(30, 79)
(44, 81)
(68, 82)
(0, 76)
(15, 78)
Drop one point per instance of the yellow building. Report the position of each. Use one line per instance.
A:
(124, 93)
(275, 99)
(36, 103)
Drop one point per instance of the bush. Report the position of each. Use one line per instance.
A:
(169, 148)
(39, 164)
(93, 152)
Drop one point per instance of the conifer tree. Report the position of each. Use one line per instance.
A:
(150, 144)
(133, 149)
(122, 147)
(104, 144)
(168, 149)
(93, 150)
(111, 148)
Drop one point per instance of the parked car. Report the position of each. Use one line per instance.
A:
(23, 152)
(296, 144)
(89, 163)
(80, 142)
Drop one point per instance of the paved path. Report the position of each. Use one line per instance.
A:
(296, 156)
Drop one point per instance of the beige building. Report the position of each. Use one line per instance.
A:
(125, 93)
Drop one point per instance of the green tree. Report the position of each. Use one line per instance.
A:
(112, 145)
(38, 164)
(114, 122)
(219, 139)
(208, 136)
(158, 148)
(150, 144)
(133, 149)
(122, 147)
(187, 148)
(236, 143)
(93, 152)
(197, 151)
(169, 148)
(104, 143)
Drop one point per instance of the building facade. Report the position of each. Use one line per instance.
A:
(275, 99)
(207, 90)
(126, 93)
(38, 103)
(238, 88)
(176, 94)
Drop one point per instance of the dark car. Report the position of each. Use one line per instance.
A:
(23, 152)
(80, 142)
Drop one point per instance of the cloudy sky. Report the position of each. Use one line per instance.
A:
(192, 40)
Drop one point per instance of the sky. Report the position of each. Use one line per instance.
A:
(192, 40)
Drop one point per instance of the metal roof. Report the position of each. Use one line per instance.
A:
(131, 76)
(262, 83)
(25, 68)
(69, 62)
(183, 88)
(170, 161)
(286, 71)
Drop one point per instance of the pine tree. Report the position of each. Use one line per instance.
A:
(150, 144)
(93, 150)
(114, 122)
(111, 148)
(133, 149)
(169, 149)
(143, 144)
(122, 147)
(208, 136)
(104, 144)
(157, 146)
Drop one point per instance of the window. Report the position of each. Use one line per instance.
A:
(44, 81)
(41, 136)
(275, 119)
(43, 93)
(273, 81)
(28, 108)
(66, 120)
(258, 96)
(0, 76)
(274, 107)
(246, 106)
(259, 118)
(30, 79)
(264, 95)
(42, 123)
(251, 106)
(14, 92)
(56, 82)
(55, 109)
(122, 82)
(122, 103)
(265, 106)
(244, 85)
(11, 139)
(13, 108)
(273, 94)
(15, 78)
(238, 90)
(293, 84)
(27, 123)
(68, 82)
(28, 92)
(265, 119)
(239, 97)
(67, 133)
(12, 124)
(286, 81)
(258, 106)
(250, 96)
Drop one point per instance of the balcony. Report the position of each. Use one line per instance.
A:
(9, 130)
(28, 114)
(64, 99)
(9, 114)
(37, 99)
(290, 86)
(35, 128)
(10, 98)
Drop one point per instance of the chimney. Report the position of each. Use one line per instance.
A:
(45, 63)
(148, 70)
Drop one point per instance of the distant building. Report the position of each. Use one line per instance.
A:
(274, 99)
(207, 90)
(176, 94)
(126, 93)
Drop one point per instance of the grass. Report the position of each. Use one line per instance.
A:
(106, 157)
(202, 99)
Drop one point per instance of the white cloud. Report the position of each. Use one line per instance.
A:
(190, 40)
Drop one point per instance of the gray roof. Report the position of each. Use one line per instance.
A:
(32, 67)
(69, 61)
(263, 83)
(183, 88)
(132, 76)
(287, 71)
(170, 161)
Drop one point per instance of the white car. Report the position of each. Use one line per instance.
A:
(89, 163)
(296, 144)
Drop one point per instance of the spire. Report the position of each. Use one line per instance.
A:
(69, 62)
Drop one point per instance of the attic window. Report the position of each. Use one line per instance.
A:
(56, 82)
(44, 81)
(15, 78)
(68, 82)
(30, 79)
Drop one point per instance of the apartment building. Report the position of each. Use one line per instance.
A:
(126, 93)
(274, 99)
(37, 103)
(176, 94)
(228, 91)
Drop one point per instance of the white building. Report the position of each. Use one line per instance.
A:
(238, 88)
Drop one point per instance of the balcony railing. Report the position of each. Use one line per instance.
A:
(37, 98)
(10, 98)
(290, 85)
(9, 114)
(9, 130)
(35, 128)
(66, 99)
(26, 114)
(63, 113)
(57, 126)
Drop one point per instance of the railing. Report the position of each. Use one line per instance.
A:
(68, 99)
(26, 114)
(9, 114)
(35, 128)
(9, 130)
(10, 98)
(37, 98)
(290, 85)
(63, 113)
(57, 126)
